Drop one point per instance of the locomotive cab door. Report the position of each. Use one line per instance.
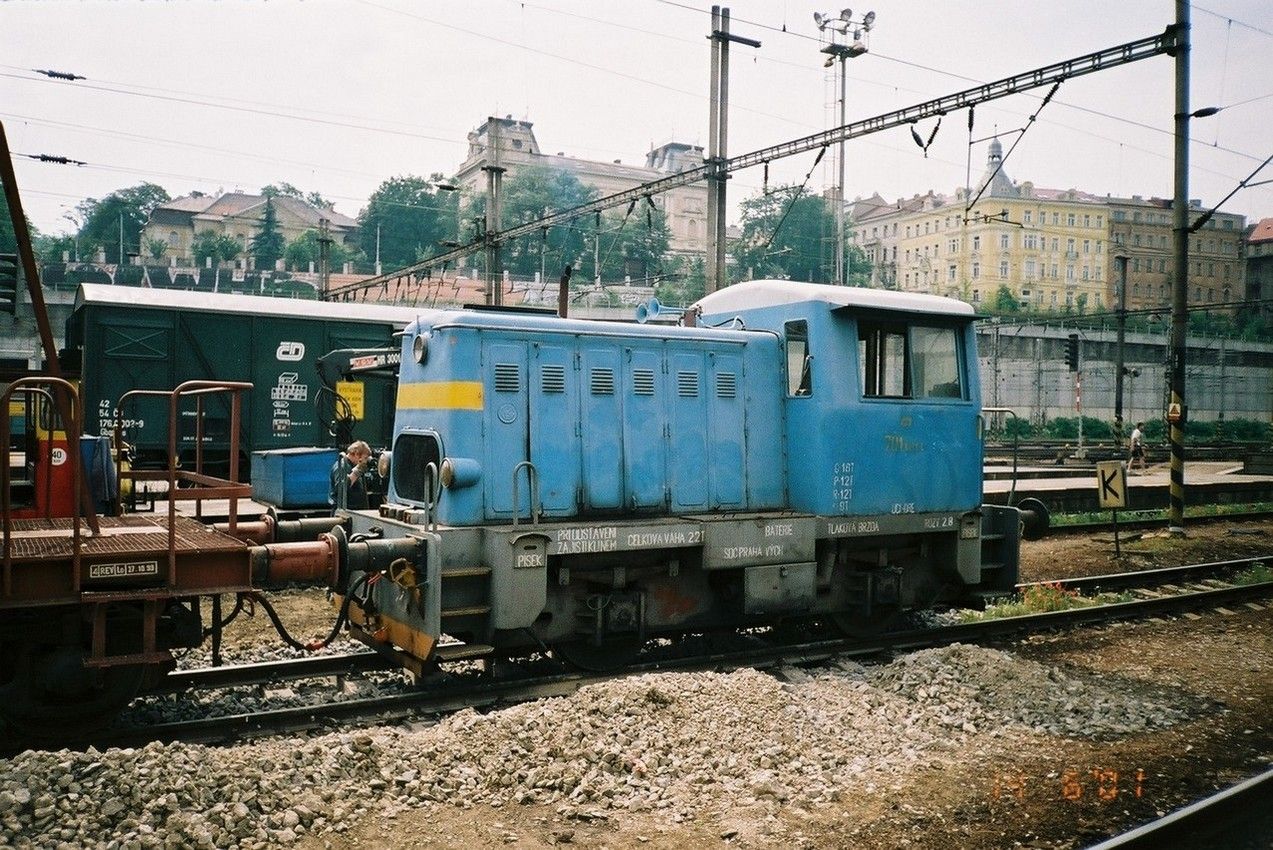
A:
(507, 428)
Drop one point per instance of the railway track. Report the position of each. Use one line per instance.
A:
(1159, 520)
(1237, 817)
(545, 679)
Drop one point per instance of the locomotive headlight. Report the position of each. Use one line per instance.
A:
(420, 349)
(458, 472)
(382, 465)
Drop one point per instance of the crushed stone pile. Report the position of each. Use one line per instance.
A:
(669, 743)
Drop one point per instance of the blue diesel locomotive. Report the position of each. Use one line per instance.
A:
(804, 451)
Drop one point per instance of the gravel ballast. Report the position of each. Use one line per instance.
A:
(671, 743)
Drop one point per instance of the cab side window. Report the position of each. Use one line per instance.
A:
(936, 361)
(799, 361)
(883, 360)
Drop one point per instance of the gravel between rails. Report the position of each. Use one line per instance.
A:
(671, 743)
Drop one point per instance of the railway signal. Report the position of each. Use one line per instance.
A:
(1072, 352)
(9, 283)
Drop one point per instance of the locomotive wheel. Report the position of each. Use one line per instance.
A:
(612, 654)
(51, 695)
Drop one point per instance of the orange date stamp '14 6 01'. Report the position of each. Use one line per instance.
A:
(1102, 784)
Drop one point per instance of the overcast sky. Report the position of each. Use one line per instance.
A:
(335, 97)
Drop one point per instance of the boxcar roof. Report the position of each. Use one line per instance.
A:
(256, 305)
(756, 294)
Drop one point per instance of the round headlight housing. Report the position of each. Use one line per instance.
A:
(383, 464)
(420, 349)
(447, 473)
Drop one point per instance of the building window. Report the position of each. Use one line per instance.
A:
(1087, 221)
(1136, 264)
(1069, 246)
(1029, 269)
(1087, 246)
(173, 239)
(1003, 241)
(1136, 290)
(976, 270)
(1029, 216)
(1100, 221)
(1056, 218)
(1136, 240)
(1085, 272)
(1054, 271)
(951, 274)
(1069, 220)
(976, 243)
(952, 246)
(1069, 272)
(1056, 244)
(1003, 268)
(976, 296)
(1099, 246)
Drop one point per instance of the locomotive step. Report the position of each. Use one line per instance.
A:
(462, 651)
(467, 611)
(466, 572)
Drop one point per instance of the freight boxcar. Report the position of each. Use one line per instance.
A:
(124, 338)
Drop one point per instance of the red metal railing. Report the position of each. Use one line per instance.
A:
(203, 486)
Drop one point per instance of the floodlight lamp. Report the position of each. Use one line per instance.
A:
(846, 14)
(869, 20)
(818, 19)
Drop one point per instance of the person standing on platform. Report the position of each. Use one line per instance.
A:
(1137, 448)
(348, 481)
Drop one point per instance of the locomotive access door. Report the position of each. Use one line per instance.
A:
(504, 365)
(554, 435)
(687, 421)
(644, 434)
(725, 417)
(602, 424)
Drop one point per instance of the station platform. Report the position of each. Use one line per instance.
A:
(1075, 491)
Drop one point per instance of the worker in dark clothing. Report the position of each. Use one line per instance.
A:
(348, 478)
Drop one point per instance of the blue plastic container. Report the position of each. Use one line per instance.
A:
(293, 478)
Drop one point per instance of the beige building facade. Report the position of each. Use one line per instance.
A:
(1142, 230)
(1054, 249)
(510, 143)
(178, 222)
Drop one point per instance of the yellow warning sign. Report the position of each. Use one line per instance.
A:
(1173, 412)
(353, 393)
(1111, 484)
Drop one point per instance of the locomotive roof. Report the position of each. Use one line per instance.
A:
(256, 305)
(757, 294)
(547, 323)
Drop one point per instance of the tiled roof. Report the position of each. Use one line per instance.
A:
(1263, 231)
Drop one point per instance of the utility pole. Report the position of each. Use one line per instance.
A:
(1177, 412)
(717, 135)
(121, 237)
(377, 247)
(494, 181)
(325, 253)
(1121, 258)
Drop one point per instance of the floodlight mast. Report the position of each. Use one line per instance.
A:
(843, 52)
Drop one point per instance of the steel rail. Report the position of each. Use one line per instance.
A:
(1230, 818)
(1155, 522)
(1100, 60)
(451, 696)
(1149, 578)
(271, 672)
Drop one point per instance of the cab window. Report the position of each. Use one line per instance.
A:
(919, 361)
(882, 361)
(799, 361)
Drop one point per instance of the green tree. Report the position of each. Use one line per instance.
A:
(124, 208)
(633, 245)
(304, 250)
(156, 248)
(530, 194)
(50, 248)
(219, 246)
(789, 234)
(286, 189)
(1005, 302)
(8, 239)
(268, 243)
(684, 283)
(409, 217)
